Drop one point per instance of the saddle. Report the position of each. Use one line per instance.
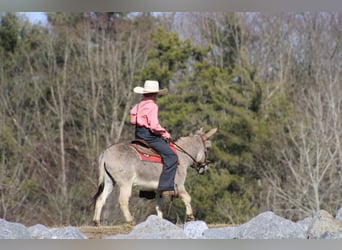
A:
(145, 152)
(141, 146)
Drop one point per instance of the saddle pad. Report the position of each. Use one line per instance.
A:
(144, 156)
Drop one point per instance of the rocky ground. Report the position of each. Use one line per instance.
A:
(103, 232)
(266, 225)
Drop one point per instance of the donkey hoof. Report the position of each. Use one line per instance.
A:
(190, 217)
(96, 223)
(131, 223)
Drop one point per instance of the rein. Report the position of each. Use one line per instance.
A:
(199, 165)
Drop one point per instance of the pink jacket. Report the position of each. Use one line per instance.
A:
(147, 116)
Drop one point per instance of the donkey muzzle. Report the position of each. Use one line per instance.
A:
(202, 169)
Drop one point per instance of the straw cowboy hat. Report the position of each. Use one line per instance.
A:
(150, 87)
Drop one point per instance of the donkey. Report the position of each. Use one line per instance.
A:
(120, 164)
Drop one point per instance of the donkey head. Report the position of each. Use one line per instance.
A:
(202, 167)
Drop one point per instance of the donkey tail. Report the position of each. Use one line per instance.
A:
(101, 165)
(101, 169)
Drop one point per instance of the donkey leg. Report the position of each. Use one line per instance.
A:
(159, 205)
(125, 194)
(186, 198)
(101, 199)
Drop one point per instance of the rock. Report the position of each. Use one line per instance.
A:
(305, 223)
(39, 231)
(67, 233)
(11, 230)
(323, 224)
(195, 229)
(339, 215)
(267, 225)
(42, 232)
(153, 228)
(221, 233)
(331, 236)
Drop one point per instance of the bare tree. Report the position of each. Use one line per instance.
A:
(108, 68)
(311, 177)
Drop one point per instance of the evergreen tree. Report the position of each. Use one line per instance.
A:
(205, 95)
(9, 31)
(170, 58)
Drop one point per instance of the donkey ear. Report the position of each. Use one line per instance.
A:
(209, 133)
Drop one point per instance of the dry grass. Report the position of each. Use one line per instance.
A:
(93, 232)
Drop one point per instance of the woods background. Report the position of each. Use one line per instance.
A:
(270, 83)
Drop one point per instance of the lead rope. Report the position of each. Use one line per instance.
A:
(170, 206)
(192, 158)
(196, 162)
(171, 200)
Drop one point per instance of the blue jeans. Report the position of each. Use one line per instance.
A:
(169, 158)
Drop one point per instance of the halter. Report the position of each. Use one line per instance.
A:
(199, 166)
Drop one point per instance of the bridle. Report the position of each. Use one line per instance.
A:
(199, 166)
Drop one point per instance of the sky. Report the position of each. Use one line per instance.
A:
(36, 17)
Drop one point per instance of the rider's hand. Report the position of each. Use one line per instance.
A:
(167, 135)
(167, 138)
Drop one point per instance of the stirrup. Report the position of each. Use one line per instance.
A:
(173, 193)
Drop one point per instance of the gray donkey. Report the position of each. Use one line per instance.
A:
(120, 164)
